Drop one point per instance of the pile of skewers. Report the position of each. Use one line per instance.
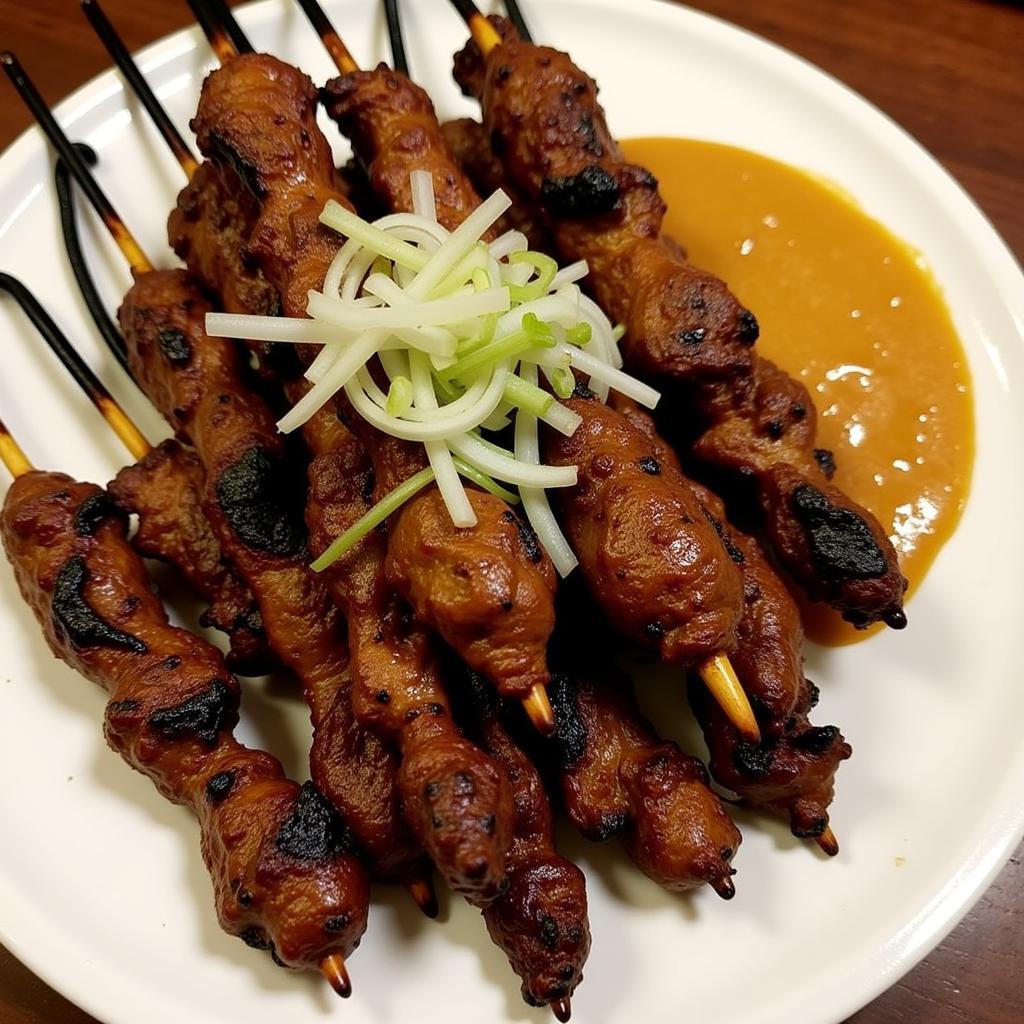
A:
(452, 696)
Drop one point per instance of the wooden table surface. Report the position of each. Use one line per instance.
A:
(952, 73)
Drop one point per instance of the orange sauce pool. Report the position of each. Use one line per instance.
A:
(852, 311)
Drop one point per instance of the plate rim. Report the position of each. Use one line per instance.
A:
(1003, 828)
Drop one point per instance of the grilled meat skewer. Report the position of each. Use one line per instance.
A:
(280, 859)
(162, 488)
(257, 115)
(255, 504)
(791, 773)
(456, 799)
(683, 326)
(541, 920)
(198, 384)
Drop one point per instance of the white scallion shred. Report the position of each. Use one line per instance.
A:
(441, 338)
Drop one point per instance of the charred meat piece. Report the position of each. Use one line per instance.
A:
(684, 328)
(393, 129)
(617, 777)
(165, 489)
(208, 229)
(284, 875)
(259, 115)
(456, 799)
(791, 773)
(541, 920)
(652, 561)
(472, 152)
(254, 501)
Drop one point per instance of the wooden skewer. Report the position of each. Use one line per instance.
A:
(399, 57)
(334, 970)
(84, 377)
(222, 14)
(538, 708)
(115, 225)
(139, 86)
(720, 678)
(828, 842)
(11, 454)
(515, 15)
(562, 1009)
(215, 33)
(76, 257)
(422, 891)
(343, 60)
(484, 34)
(717, 671)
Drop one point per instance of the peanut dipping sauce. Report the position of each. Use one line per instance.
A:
(852, 311)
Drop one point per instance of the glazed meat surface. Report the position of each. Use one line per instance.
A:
(617, 777)
(165, 490)
(684, 328)
(541, 921)
(280, 859)
(456, 799)
(254, 501)
(791, 773)
(393, 129)
(651, 559)
(208, 229)
(259, 115)
(472, 152)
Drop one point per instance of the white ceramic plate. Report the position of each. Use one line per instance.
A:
(102, 890)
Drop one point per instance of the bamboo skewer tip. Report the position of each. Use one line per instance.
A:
(828, 842)
(538, 708)
(334, 970)
(423, 894)
(725, 887)
(562, 1009)
(333, 43)
(11, 455)
(720, 678)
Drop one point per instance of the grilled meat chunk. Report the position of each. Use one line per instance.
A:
(652, 560)
(259, 115)
(393, 129)
(165, 489)
(456, 799)
(280, 859)
(617, 777)
(254, 501)
(684, 328)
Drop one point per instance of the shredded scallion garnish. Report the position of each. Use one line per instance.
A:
(439, 337)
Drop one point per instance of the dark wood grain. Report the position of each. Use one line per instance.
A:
(952, 73)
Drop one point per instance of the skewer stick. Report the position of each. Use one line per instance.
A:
(140, 87)
(717, 671)
(76, 257)
(399, 58)
(334, 970)
(422, 891)
(215, 33)
(36, 104)
(515, 15)
(222, 14)
(562, 1009)
(84, 377)
(828, 842)
(343, 60)
(11, 454)
(538, 708)
(720, 678)
(484, 34)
